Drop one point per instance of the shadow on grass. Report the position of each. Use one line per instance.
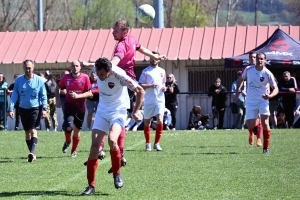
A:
(6, 161)
(202, 147)
(209, 153)
(45, 193)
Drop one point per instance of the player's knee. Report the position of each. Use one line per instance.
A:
(94, 149)
(112, 143)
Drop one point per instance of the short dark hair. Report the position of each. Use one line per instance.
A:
(26, 61)
(262, 53)
(103, 63)
(123, 24)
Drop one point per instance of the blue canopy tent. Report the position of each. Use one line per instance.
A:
(281, 50)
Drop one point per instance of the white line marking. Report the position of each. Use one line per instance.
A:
(80, 174)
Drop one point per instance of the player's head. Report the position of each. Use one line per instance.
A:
(261, 59)
(120, 29)
(152, 61)
(252, 57)
(28, 66)
(286, 75)
(217, 82)
(75, 67)
(103, 68)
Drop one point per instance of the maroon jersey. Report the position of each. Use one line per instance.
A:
(79, 85)
(125, 50)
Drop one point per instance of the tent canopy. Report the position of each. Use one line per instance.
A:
(281, 50)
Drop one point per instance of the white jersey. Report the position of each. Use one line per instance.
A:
(258, 83)
(153, 75)
(113, 94)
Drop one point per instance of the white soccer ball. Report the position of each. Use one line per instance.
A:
(145, 13)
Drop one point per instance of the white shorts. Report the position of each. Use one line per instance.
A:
(104, 121)
(153, 110)
(255, 108)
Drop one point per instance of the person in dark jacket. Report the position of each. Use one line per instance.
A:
(288, 86)
(17, 113)
(218, 104)
(171, 97)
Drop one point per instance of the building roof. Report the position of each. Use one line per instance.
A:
(177, 43)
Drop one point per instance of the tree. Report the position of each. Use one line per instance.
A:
(11, 13)
(231, 7)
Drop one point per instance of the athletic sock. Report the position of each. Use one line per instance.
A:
(121, 141)
(34, 142)
(28, 142)
(250, 131)
(259, 131)
(158, 132)
(75, 143)
(91, 170)
(101, 148)
(267, 135)
(147, 133)
(115, 157)
(68, 137)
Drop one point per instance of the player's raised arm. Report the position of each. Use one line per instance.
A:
(149, 53)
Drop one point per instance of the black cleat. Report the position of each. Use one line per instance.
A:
(123, 164)
(255, 130)
(118, 181)
(88, 190)
(85, 163)
(65, 147)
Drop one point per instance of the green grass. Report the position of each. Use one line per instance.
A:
(193, 165)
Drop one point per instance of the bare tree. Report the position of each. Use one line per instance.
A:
(256, 9)
(12, 12)
(231, 6)
(217, 13)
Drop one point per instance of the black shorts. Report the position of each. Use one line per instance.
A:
(77, 116)
(31, 117)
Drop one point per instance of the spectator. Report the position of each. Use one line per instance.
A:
(289, 87)
(17, 113)
(197, 120)
(239, 117)
(92, 102)
(43, 76)
(62, 95)
(171, 97)
(3, 104)
(273, 105)
(50, 85)
(219, 97)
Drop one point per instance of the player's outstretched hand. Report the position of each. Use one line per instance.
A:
(162, 57)
(137, 116)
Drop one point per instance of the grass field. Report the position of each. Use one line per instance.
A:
(193, 165)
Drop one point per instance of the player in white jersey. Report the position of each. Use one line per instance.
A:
(259, 79)
(153, 79)
(110, 117)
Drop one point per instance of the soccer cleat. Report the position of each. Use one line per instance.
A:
(157, 147)
(118, 181)
(65, 147)
(88, 190)
(31, 157)
(258, 142)
(101, 155)
(85, 163)
(251, 139)
(73, 154)
(266, 151)
(123, 163)
(148, 146)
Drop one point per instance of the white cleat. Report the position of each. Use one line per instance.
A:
(157, 147)
(148, 146)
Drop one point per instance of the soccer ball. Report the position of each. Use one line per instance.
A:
(145, 13)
